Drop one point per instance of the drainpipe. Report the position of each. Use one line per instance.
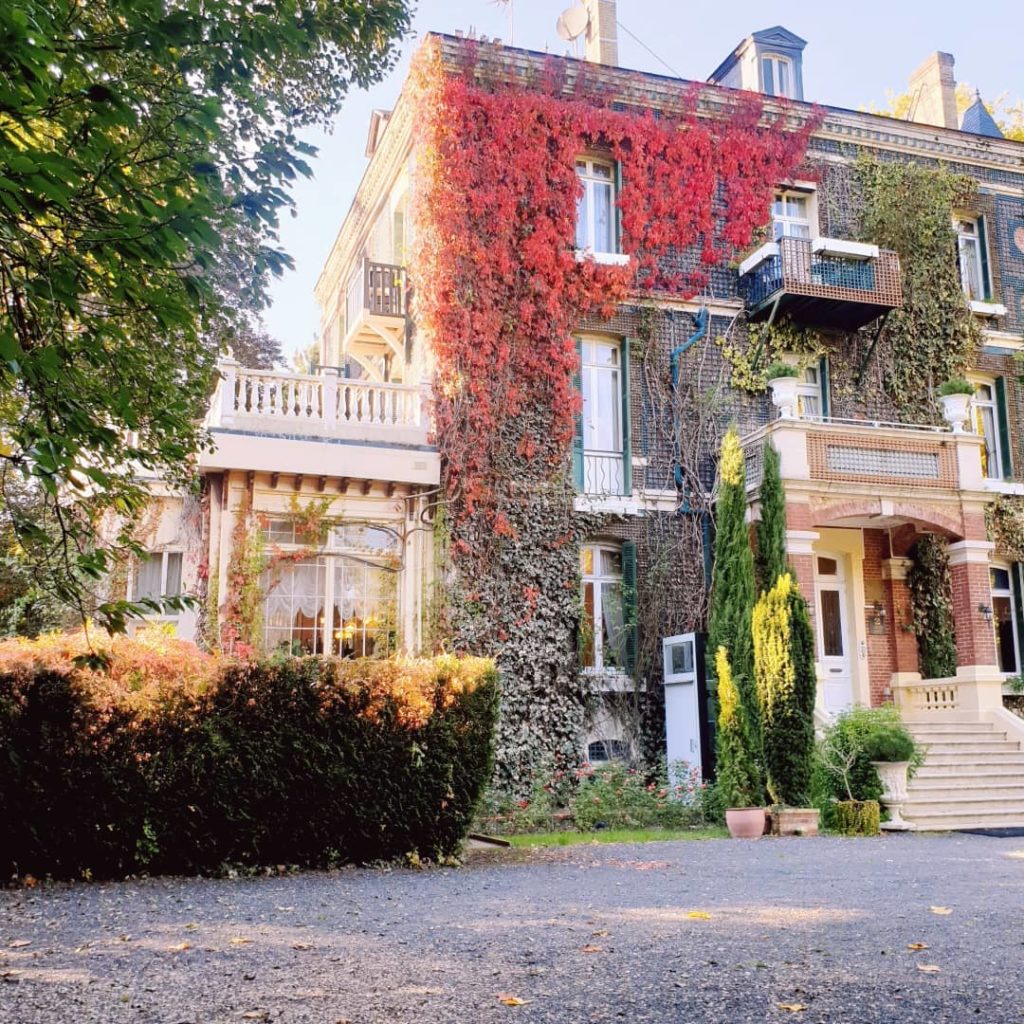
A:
(701, 321)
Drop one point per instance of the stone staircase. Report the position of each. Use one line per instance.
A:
(972, 777)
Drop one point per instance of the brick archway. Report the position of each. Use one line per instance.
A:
(926, 518)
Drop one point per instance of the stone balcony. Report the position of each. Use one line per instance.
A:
(319, 424)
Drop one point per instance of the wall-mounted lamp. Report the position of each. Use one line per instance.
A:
(878, 617)
(986, 612)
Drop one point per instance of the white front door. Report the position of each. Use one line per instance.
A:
(834, 634)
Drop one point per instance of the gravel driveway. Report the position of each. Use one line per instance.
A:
(667, 932)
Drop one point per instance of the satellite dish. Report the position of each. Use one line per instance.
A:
(572, 23)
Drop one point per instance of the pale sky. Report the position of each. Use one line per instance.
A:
(855, 52)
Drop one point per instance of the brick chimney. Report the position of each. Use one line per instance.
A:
(933, 92)
(602, 32)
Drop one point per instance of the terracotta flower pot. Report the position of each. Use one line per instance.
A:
(745, 822)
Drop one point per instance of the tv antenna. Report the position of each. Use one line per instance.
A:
(571, 24)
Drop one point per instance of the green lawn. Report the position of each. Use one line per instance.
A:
(615, 835)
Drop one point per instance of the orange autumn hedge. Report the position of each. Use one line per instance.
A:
(178, 761)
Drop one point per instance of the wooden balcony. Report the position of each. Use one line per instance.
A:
(319, 424)
(821, 282)
(376, 309)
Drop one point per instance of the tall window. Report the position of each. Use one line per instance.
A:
(777, 75)
(604, 622)
(157, 575)
(595, 208)
(809, 393)
(970, 233)
(986, 420)
(341, 600)
(601, 381)
(1004, 620)
(791, 215)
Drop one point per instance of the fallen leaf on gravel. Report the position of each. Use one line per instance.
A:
(590, 948)
(301, 945)
(915, 946)
(191, 926)
(240, 940)
(19, 943)
(942, 910)
(792, 1007)
(699, 915)
(929, 968)
(507, 1000)
(29, 882)
(255, 1015)
(180, 947)
(600, 932)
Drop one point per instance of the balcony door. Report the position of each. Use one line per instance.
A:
(835, 638)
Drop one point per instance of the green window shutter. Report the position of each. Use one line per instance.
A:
(986, 281)
(823, 384)
(627, 429)
(618, 209)
(629, 602)
(1018, 609)
(577, 439)
(1005, 448)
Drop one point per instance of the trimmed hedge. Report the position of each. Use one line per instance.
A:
(299, 761)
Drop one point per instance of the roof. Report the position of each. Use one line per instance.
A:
(777, 36)
(978, 121)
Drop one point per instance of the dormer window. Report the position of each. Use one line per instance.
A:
(777, 76)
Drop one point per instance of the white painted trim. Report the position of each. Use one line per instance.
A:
(847, 250)
(801, 542)
(1003, 486)
(987, 309)
(896, 568)
(758, 256)
(611, 259)
(970, 552)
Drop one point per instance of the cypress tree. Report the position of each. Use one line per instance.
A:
(738, 781)
(786, 694)
(732, 586)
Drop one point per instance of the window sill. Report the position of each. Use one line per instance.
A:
(988, 310)
(608, 680)
(1003, 486)
(610, 259)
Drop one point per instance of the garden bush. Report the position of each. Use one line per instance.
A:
(174, 761)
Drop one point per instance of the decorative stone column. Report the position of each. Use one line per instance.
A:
(800, 552)
(972, 592)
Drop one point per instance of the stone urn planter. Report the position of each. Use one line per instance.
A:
(955, 410)
(795, 821)
(745, 822)
(784, 396)
(894, 783)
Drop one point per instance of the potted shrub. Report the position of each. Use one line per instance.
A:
(838, 755)
(783, 379)
(738, 782)
(891, 750)
(955, 398)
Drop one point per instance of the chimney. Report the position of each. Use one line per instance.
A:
(933, 92)
(602, 32)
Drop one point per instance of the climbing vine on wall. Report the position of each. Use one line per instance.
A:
(500, 291)
(931, 338)
(931, 599)
(1004, 519)
(765, 344)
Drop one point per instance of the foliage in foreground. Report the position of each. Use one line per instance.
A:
(611, 796)
(176, 762)
(146, 152)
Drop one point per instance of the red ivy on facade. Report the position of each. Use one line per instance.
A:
(499, 288)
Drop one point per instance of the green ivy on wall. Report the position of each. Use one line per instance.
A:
(931, 599)
(933, 335)
(766, 344)
(1004, 519)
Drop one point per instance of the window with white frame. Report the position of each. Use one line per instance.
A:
(157, 575)
(792, 215)
(986, 423)
(601, 384)
(1004, 619)
(595, 208)
(777, 75)
(808, 392)
(341, 600)
(604, 622)
(970, 234)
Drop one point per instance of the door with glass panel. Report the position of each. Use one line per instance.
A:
(834, 634)
(1004, 620)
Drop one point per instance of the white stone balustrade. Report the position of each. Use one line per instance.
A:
(317, 405)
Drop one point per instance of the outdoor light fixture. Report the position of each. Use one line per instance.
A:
(986, 612)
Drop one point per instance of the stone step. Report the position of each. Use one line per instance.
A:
(964, 804)
(945, 823)
(972, 758)
(969, 747)
(983, 789)
(995, 771)
(957, 728)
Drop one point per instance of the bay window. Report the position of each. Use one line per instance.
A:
(340, 599)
